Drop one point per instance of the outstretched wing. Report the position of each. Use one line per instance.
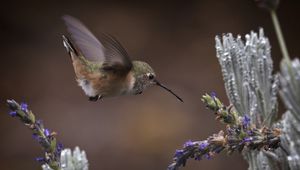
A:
(107, 50)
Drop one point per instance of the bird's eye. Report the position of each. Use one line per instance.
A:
(150, 76)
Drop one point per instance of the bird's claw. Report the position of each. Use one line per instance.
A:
(140, 92)
(95, 98)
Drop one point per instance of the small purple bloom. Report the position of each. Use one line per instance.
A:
(250, 132)
(246, 121)
(207, 156)
(178, 153)
(203, 145)
(47, 132)
(40, 159)
(24, 107)
(247, 139)
(39, 122)
(13, 113)
(59, 147)
(188, 144)
(35, 136)
(213, 94)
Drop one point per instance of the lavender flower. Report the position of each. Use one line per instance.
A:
(203, 145)
(241, 135)
(246, 121)
(13, 113)
(208, 156)
(188, 143)
(247, 140)
(189, 151)
(46, 139)
(46, 132)
(178, 153)
(213, 94)
(24, 106)
(56, 158)
(226, 115)
(41, 160)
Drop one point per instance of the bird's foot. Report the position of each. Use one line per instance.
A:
(95, 98)
(140, 92)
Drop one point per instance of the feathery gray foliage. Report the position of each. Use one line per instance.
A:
(290, 93)
(247, 72)
(71, 161)
(250, 86)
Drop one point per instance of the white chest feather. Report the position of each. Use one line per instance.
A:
(87, 87)
(131, 83)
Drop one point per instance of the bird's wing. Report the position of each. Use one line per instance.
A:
(107, 50)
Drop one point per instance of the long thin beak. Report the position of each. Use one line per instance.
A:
(164, 87)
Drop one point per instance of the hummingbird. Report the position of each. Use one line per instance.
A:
(103, 67)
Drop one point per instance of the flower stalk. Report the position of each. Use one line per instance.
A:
(279, 34)
(45, 138)
(240, 136)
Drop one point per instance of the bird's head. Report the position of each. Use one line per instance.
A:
(145, 77)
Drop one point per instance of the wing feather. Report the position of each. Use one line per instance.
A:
(108, 50)
(87, 43)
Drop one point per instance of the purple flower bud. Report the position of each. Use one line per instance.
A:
(24, 107)
(207, 156)
(247, 140)
(35, 136)
(203, 145)
(13, 113)
(178, 153)
(40, 159)
(59, 147)
(246, 121)
(213, 94)
(47, 132)
(250, 132)
(188, 144)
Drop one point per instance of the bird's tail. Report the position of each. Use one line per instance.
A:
(69, 46)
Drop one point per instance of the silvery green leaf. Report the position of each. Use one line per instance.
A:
(73, 161)
(46, 167)
(251, 86)
(247, 72)
(69, 160)
(290, 94)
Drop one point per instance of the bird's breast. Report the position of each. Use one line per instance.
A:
(103, 83)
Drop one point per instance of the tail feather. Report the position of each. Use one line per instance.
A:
(69, 46)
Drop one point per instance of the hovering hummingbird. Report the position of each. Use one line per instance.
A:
(103, 67)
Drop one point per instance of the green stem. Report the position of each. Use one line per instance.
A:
(280, 36)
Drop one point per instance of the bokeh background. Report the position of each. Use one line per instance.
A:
(129, 132)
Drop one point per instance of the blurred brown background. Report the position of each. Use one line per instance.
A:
(130, 132)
